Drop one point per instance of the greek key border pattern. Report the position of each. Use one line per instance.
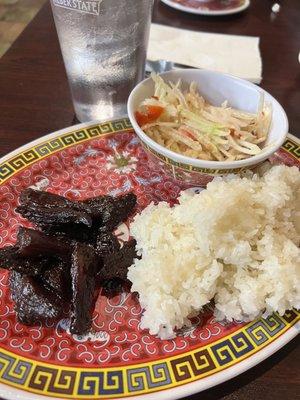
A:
(29, 156)
(117, 382)
(290, 146)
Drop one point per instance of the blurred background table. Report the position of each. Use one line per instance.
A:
(35, 100)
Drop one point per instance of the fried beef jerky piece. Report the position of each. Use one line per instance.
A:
(109, 211)
(33, 302)
(100, 206)
(83, 268)
(54, 216)
(124, 206)
(75, 232)
(32, 243)
(39, 198)
(114, 286)
(57, 279)
(9, 259)
(107, 214)
(116, 265)
(106, 243)
(80, 233)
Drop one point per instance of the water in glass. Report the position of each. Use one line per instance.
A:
(104, 45)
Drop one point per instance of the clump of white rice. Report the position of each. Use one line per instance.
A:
(237, 242)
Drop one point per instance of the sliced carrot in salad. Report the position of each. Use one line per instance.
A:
(187, 133)
(151, 114)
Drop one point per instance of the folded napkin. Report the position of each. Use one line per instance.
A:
(236, 55)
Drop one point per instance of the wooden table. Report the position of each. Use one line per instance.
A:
(35, 100)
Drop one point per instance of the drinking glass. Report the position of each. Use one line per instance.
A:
(104, 44)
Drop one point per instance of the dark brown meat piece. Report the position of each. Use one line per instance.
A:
(57, 270)
(106, 212)
(54, 216)
(116, 265)
(100, 206)
(9, 259)
(114, 286)
(106, 243)
(83, 285)
(124, 208)
(80, 233)
(57, 279)
(109, 211)
(32, 243)
(33, 302)
(49, 200)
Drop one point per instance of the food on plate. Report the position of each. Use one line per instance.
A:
(57, 279)
(117, 263)
(109, 212)
(72, 253)
(55, 216)
(40, 199)
(33, 243)
(236, 242)
(107, 243)
(111, 287)
(81, 220)
(83, 270)
(33, 302)
(10, 259)
(184, 122)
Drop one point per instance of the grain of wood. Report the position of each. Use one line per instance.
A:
(14, 17)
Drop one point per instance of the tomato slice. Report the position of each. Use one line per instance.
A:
(151, 114)
(141, 119)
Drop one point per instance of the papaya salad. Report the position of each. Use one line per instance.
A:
(184, 122)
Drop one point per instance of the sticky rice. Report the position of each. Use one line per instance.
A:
(236, 242)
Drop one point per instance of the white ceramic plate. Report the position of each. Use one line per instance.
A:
(204, 8)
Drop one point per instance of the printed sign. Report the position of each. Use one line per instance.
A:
(84, 6)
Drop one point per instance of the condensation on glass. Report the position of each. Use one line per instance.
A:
(104, 45)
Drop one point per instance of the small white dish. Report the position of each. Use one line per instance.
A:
(216, 87)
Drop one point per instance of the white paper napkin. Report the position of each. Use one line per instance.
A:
(233, 54)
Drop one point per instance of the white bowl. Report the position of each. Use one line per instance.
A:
(216, 88)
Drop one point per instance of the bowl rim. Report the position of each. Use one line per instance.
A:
(269, 150)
